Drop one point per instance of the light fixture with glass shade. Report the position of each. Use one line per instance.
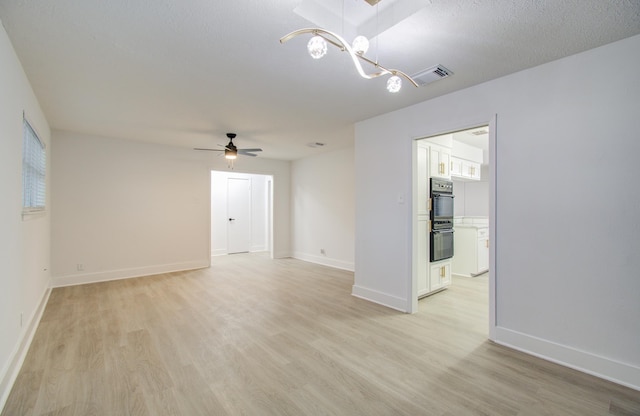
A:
(317, 48)
(360, 45)
(394, 83)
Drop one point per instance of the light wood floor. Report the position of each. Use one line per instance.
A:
(252, 336)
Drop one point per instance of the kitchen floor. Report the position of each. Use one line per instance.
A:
(464, 303)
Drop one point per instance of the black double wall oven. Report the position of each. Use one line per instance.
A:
(441, 236)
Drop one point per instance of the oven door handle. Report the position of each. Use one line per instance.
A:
(444, 231)
(443, 196)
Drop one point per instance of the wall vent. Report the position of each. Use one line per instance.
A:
(429, 75)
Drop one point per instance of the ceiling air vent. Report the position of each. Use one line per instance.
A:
(429, 75)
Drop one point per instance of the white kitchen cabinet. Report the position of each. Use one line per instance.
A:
(439, 275)
(423, 257)
(456, 167)
(432, 161)
(423, 179)
(465, 169)
(471, 250)
(483, 250)
(471, 170)
(439, 162)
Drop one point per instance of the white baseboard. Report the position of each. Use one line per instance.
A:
(325, 261)
(224, 252)
(10, 372)
(219, 252)
(381, 298)
(79, 279)
(602, 367)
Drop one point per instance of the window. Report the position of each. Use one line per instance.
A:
(34, 166)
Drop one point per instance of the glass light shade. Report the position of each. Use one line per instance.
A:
(228, 154)
(394, 84)
(360, 45)
(317, 47)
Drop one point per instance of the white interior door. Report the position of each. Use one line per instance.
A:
(239, 215)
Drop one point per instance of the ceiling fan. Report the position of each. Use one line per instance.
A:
(231, 151)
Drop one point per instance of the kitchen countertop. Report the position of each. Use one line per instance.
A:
(476, 226)
(471, 222)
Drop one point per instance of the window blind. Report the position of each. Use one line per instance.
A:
(34, 167)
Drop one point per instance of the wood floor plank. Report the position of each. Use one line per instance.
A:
(255, 336)
(122, 392)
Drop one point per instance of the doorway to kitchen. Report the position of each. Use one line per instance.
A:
(241, 213)
(459, 162)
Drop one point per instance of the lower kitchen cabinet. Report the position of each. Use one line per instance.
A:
(440, 275)
(483, 250)
(471, 251)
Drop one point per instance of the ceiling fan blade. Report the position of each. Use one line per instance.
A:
(231, 148)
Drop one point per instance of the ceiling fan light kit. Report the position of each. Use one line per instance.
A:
(231, 151)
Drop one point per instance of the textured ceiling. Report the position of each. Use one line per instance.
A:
(184, 73)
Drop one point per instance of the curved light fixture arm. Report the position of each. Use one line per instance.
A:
(343, 45)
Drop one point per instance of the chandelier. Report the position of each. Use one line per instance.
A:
(317, 48)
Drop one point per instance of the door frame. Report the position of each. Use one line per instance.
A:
(270, 179)
(493, 156)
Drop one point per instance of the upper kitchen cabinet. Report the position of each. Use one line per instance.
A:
(439, 162)
(466, 161)
(456, 167)
(437, 150)
(465, 169)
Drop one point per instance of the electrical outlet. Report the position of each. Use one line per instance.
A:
(322, 251)
(80, 267)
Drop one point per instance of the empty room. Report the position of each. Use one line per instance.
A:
(319, 207)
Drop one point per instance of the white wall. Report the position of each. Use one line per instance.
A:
(459, 200)
(323, 208)
(472, 197)
(476, 199)
(259, 211)
(124, 208)
(566, 283)
(24, 244)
